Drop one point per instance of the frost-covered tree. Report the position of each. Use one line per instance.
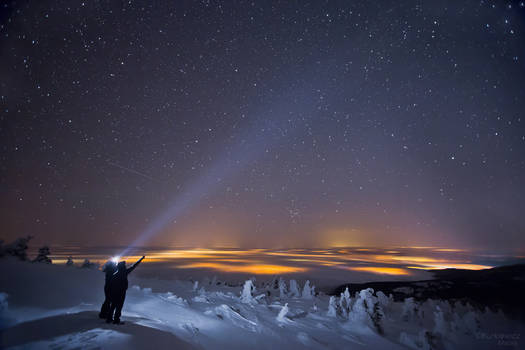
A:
(294, 289)
(18, 248)
(409, 311)
(282, 313)
(377, 317)
(308, 292)
(42, 256)
(383, 300)
(246, 294)
(440, 324)
(362, 308)
(470, 323)
(283, 291)
(344, 303)
(332, 307)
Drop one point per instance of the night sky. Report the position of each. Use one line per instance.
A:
(263, 124)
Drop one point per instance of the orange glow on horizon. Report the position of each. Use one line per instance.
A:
(380, 270)
(257, 269)
(451, 266)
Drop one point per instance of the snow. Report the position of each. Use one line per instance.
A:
(282, 313)
(51, 306)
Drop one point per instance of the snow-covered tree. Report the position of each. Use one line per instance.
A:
(332, 307)
(409, 310)
(383, 300)
(377, 317)
(195, 286)
(344, 303)
(440, 324)
(283, 291)
(294, 289)
(246, 294)
(362, 308)
(470, 323)
(308, 292)
(42, 256)
(282, 313)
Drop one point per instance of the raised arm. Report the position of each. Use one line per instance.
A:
(135, 265)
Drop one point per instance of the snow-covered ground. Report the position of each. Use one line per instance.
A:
(51, 306)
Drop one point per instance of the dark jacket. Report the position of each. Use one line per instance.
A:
(119, 281)
(110, 268)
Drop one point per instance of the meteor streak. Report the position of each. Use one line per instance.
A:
(130, 170)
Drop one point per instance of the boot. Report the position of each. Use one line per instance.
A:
(117, 321)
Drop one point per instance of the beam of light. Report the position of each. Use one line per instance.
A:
(259, 139)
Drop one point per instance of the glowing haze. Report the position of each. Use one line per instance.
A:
(248, 124)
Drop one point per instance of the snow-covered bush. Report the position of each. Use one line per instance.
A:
(246, 294)
(42, 256)
(282, 313)
(294, 289)
(201, 297)
(308, 292)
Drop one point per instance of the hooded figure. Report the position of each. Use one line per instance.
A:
(109, 268)
(117, 290)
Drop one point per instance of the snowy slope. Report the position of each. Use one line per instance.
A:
(49, 306)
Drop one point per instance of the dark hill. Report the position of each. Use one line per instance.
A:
(497, 288)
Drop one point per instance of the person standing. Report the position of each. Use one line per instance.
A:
(109, 269)
(117, 290)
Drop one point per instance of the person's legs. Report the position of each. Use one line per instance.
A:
(104, 310)
(112, 306)
(119, 303)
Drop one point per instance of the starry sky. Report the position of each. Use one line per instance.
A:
(262, 123)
